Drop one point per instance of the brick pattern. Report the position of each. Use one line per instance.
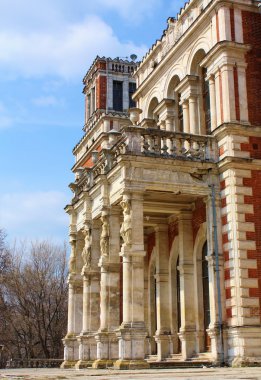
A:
(241, 224)
(253, 147)
(101, 92)
(255, 217)
(198, 216)
(252, 35)
(173, 232)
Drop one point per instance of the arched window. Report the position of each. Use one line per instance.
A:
(206, 101)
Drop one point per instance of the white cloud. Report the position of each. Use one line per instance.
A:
(34, 215)
(66, 53)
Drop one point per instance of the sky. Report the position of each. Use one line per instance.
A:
(46, 47)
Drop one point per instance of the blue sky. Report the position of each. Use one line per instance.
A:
(46, 47)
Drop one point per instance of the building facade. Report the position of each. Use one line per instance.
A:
(165, 222)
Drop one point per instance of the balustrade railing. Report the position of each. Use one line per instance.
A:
(159, 143)
(148, 142)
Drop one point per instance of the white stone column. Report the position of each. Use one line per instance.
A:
(163, 333)
(91, 301)
(86, 303)
(212, 95)
(106, 125)
(187, 295)
(107, 342)
(228, 96)
(185, 107)
(70, 341)
(132, 332)
(193, 114)
(217, 347)
(242, 92)
(219, 105)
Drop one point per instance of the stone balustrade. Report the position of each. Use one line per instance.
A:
(148, 142)
(34, 363)
(175, 145)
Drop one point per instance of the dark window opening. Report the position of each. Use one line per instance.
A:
(132, 89)
(117, 96)
(180, 114)
(206, 101)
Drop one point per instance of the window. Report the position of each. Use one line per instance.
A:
(132, 89)
(88, 105)
(117, 95)
(180, 114)
(206, 102)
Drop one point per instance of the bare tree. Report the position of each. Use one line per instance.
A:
(34, 301)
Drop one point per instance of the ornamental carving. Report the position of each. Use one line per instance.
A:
(72, 261)
(126, 228)
(86, 253)
(105, 235)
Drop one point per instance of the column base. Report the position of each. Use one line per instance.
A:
(71, 351)
(83, 364)
(68, 364)
(131, 364)
(244, 346)
(164, 345)
(107, 345)
(188, 343)
(102, 363)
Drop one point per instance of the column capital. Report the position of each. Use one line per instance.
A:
(185, 215)
(161, 227)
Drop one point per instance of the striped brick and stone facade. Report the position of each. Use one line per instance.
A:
(165, 222)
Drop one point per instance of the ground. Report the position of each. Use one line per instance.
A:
(152, 374)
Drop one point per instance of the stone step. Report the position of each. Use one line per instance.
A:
(179, 364)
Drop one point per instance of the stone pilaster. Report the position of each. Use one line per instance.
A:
(187, 299)
(107, 342)
(132, 332)
(163, 333)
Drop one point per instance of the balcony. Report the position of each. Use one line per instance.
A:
(145, 142)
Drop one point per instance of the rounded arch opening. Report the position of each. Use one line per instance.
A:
(153, 104)
(171, 94)
(195, 68)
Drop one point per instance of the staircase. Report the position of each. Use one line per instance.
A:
(200, 360)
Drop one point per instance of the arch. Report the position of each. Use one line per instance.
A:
(154, 93)
(152, 105)
(203, 45)
(174, 81)
(194, 67)
(175, 71)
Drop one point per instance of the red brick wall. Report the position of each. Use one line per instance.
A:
(101, 91)
(254, 147)
(198, 216)
(255, 218)
(252, 36)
